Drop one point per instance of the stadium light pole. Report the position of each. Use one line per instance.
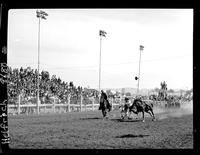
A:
(141, 48)
(40, 15)
(101, 34)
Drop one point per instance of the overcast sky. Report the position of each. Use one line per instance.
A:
(70, 45)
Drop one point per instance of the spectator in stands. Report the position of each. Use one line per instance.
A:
(24, 82)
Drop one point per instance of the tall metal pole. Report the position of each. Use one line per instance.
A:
(38, 84)
(101, 33)
(141, 48)
(100, 69)
(40, 14)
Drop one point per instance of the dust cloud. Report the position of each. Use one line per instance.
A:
(163, 113)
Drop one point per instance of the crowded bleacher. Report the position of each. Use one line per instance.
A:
(23, 82)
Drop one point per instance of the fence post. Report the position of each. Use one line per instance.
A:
(38, 106)
(18, 107)
(45, 108)
(121, 99)
(93, 103)
(27, 108)
(81, 102)
(165, 104)
(69, 96)
(44, 105)
(54, 100)
(112, 103)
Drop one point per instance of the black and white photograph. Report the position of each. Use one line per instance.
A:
(99, 78)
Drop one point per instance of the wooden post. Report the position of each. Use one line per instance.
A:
(54, 104)
(81, 102)
(93, 103)
(43, 99)
(69, 96)
(85, 107)
(27, 108)
(112, 103)
(18, 108)
(37, 106)
(44, 108)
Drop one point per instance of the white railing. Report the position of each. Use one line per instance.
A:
(54, 107)
(67, 107)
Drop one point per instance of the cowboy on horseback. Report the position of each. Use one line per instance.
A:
(102, 98)
(126, 104)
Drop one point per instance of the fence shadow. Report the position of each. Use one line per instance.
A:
(131, 136)
(90, 118)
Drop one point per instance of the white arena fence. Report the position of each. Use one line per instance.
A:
(71, 105)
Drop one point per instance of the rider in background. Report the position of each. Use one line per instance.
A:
(126, 105)
(127, 102)
(125, 108)
(104, 96)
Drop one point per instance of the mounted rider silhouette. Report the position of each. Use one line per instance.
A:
(126, 105)
(102, 98)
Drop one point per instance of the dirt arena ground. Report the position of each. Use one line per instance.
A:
(173, 129)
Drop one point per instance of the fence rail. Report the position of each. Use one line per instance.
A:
(68, 106)
(18, 109)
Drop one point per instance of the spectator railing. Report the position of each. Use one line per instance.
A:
(30, 108)
(67, 106)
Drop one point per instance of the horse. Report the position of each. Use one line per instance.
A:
(105, 106)
(141, 106)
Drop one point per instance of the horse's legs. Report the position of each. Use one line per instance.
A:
(143, 116)
(150, 112)
(129, 114)
(131, 111)
(103, 113)
(153, 114)
(107, 115)
(122, 114)
(137, 116)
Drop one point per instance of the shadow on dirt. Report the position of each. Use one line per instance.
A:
(92, 118)
(126, 120)
(131, 136)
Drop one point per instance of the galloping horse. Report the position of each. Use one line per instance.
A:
(141, 106)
